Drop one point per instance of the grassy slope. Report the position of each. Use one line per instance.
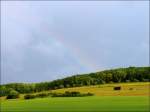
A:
(79, 104)
(105, 100)
(139, 89)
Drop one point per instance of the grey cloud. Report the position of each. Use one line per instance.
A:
(50, 40)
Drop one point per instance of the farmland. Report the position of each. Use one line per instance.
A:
(128, 89)
(105, 100)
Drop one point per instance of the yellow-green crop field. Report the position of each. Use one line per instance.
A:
(127, 89)
(133, 97)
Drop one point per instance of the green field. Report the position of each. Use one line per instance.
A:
(79, 104)
(105, 100)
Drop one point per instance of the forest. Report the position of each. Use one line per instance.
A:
(130, 74)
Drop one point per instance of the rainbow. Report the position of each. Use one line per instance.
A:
(76, 52)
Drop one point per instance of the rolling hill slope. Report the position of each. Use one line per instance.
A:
(131, 74)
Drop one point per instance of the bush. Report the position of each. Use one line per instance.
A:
(145, 80)
(127, 81)
(135, 80)
(117, 88)
(13, 95)
(102, 82)
(56, 95)
(42, 95)
(61, 86)
(29, 96)
(130, 88)
(71, 94)
(111, 82)
(89, 94)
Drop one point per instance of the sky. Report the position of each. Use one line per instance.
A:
(48, 40)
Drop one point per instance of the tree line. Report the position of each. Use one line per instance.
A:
(130, 74)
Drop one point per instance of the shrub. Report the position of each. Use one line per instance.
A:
(102, 82)
(111, 82)
(117, 88)
(128, 81)
(130, 88)
(61, 86)
(89, 94)
(13, 95)
(145, 80)
(42, 95)
(135, 80)
(57, 95)
(29, 96)
(67, 86)
(71, 94)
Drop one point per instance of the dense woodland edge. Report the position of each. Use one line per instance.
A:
(130, 74)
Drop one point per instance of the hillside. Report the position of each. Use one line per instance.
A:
(131, 98)
(127, 89)
(131, 74)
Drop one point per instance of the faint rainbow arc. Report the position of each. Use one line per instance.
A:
(77, 53)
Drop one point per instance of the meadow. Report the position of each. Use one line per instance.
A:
(79, 104)
(127, 89)
(105, 100)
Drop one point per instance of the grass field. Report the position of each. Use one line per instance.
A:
(79, 104)
(105, 100)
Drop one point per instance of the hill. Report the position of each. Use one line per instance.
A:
(131, 74)
(127, 89)
(133, 97)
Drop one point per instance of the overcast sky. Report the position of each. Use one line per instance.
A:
(43, 41)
